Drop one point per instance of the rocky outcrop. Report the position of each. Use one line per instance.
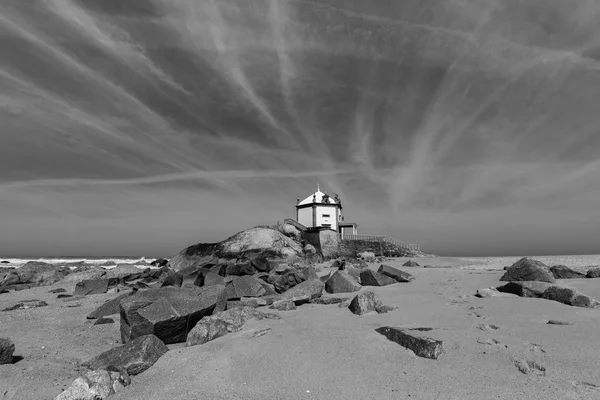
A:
(491, 292)
(371, 278)
(135, 356)
(90, 274)
(35, 273)
(527, 269)
(95, 385)
(395, 273)
(7, 349)
(255, 240)
(413, 340)
(168, 313)
(283, 280)
(341, 282)
(245, 286)
(564, 272)
(222, 323)
(525, 288)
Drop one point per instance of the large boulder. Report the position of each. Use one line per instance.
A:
(341, 282)
(7, 348)
(220, 324)
(593, 273)
(366, 302)
(371, 278)
(304, 292)
(135, 356)
(564, 272)
(95, 385)
(395, 273)
(283, 280)
(168, 313)
(549, 291)
(528, 269)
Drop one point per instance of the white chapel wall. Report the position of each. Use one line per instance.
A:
(305, 216)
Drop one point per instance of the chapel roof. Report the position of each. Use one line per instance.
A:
(318, 195)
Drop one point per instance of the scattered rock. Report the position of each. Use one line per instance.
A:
(7, 348)
(421, 346)
(211, 279)
(222, 323)
(94, 286)
(558, 322)
(64, 296)
(525, 288)
(329, 300)
(527, 269)
(4, 291)
(341, 282)
(283, 305)
(394, 273)
(530, 367)
(491, 292)
(411, 263)
(367, 256)
(37, 273)
(26, 304)
(59, 290)
(563, 272)
(171, 278)
(125, 272)
(366, 302)
(304, 292)
(104, 321)
(593, 273)
(135, 357)
(168, 313)
(371, 278)
(95, 385)
(338, 264)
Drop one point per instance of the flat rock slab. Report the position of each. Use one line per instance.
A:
(411, 263)
(413, 340)
(109, 308)
(26, 304)
(248, 286)
(168, 313)
(328, 300)
(220, 324)
(93, 286)
(104, 321)
(95, 385)
(135, 357)
(395, 273)
(304, 292)
(283, 305)
(527, 269)
(372, 278)
(7, 349)
(341, 282)
(558, 322)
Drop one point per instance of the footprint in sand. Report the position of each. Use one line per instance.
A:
(487, 327)
(529, 367)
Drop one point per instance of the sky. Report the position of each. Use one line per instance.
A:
(138, 128)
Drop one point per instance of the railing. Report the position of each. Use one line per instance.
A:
(380, 238)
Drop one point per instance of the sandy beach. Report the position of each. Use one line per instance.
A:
(324, 351)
